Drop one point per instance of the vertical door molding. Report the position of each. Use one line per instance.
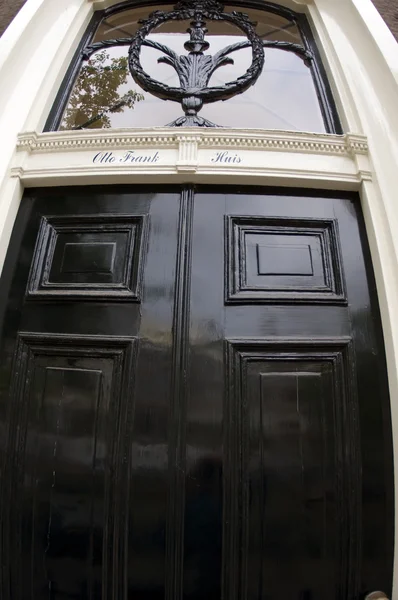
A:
(179, 398)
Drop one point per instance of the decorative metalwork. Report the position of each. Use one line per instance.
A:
(195, 69)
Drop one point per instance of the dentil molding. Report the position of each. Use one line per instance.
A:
(318, 143)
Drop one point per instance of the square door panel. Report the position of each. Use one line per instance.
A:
(283, 260)
(88, 257)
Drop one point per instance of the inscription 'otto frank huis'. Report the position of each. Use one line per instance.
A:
(129, 157)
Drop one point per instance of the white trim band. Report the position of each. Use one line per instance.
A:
(123, 156)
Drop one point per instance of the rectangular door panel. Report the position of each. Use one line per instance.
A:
(67, 475)
(292, 484)
(88, 257)
(283, 260)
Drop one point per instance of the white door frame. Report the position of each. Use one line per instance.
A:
(361, 59)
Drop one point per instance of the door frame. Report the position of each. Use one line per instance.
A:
(38, 47)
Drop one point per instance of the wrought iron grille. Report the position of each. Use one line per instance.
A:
(196, 68)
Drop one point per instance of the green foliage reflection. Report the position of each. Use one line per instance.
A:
(96, 93)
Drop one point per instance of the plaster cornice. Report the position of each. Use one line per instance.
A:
(285, 141)
(219, 155)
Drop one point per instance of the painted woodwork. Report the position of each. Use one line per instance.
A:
(193, 398)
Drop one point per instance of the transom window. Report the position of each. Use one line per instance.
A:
(108, 90)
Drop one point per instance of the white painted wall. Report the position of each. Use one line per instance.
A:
(361, 58)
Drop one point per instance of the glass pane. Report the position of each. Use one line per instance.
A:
(126, 23)
(105, 94)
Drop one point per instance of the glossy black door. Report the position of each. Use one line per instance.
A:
(193, 399)
(288, 392)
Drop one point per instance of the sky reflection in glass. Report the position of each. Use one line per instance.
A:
(284, 97)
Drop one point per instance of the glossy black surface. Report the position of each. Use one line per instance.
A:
(193, 398)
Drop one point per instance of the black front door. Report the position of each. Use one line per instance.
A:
(193, 399)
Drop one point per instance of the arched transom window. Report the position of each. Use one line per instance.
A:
(201, 63)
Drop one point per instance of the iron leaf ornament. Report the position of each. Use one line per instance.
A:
(195, 69)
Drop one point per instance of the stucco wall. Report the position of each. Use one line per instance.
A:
(8, 10)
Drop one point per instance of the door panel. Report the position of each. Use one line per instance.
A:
(291, 405)
(194, 400)
(86, 256)
(284, 260)
(71, 404)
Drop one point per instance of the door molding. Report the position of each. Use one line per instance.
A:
(339, 354)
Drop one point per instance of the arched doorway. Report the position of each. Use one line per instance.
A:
(212, 402)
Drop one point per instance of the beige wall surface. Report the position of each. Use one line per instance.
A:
(8, 10)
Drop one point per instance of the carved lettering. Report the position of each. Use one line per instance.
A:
(129, 157)
(104, 157)
(226, 157)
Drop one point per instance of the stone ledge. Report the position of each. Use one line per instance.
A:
(284, 141)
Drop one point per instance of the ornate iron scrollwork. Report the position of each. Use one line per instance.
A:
(195, 69)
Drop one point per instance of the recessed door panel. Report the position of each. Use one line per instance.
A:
(87, 256)
(284, 260)
(290, 409)
(72, 397)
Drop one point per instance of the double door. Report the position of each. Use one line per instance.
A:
(194, 401)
